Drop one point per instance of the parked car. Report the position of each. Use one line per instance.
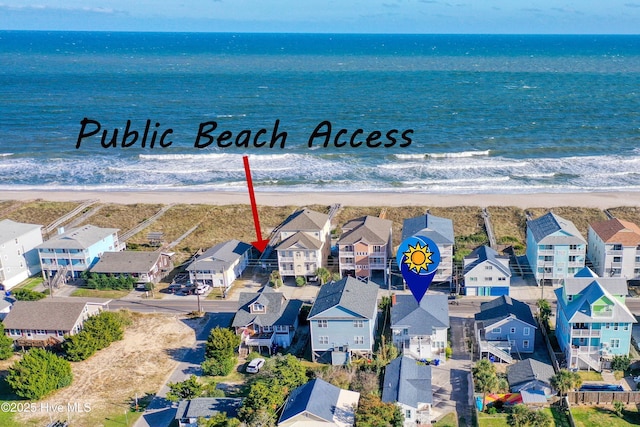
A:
(174, 287)
(255, 365)
(201, 289)
(188, 289)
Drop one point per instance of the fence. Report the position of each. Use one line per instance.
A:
(602, 397)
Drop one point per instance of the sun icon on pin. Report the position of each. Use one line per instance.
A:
(418, 257)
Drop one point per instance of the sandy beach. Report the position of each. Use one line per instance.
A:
(588, 200)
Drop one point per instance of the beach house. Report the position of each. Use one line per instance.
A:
(365, 247)
(420, 330)
(221, 264)
(265, 319)
(614, 248)
(304, 243)
(407, 383)
(45, 323)
(18, 255)
(593, 323)
(555, 248)
(486, 273)
(143, 266)
(440, 231)
(532, 379)
(72, 252)
(504, 326)
(342, 321)
(318, 403)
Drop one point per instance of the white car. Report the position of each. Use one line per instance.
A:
(255, 365)
(201, 289)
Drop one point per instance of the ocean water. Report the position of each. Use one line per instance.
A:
(499, 114)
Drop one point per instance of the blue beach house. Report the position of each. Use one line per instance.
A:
(72, 252)
(593, 323)
(504, 327)
(342, 321)
(486, 273)
(555, 248)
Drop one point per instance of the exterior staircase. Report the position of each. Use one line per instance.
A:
(487, 347)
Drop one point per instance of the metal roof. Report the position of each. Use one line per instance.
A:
(545, 226)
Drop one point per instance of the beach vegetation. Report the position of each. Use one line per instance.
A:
(372, 410)
(38, 373)
(107, 282)
(621, 362)
(301, 281)
(565, 381)
(275, 279)
(220, 358)
(6, 344)
(24, 294)
(485, 379)
(98, 332)
(270, 387)
(184, 390)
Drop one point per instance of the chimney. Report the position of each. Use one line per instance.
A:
(393, 300)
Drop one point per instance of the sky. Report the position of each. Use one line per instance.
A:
(329, 16)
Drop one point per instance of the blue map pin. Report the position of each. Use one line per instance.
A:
(418, 258)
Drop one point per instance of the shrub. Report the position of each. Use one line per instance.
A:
(38, 373)
(621, 363)
(27, 295)
(219, 367)
(187, 389)
(301, 281)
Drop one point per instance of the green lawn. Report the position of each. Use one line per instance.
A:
(31, 283)
(588, 416)
(448, 420)
(500, 420)
(95, 293)
(590, 376)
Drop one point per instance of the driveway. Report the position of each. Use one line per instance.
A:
(161, 412)
(450, 382)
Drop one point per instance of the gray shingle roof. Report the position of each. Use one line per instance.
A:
(351, 294)
(317, 397)
(613, 285)
(78, 238)
(529, 370)
(503, 307)
(279, 310)
(579, 310)
(305, 220)
(10, 230)
(371, 229)
(485, 253)
(44, 315)
(407, 382)
(301, 238)
(423, 319)
(220, 256)
(438, 229)
(126, 262)
(207, 407)
(547, 224)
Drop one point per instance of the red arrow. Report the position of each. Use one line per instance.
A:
(260, 244)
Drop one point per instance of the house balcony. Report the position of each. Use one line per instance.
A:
(582, 350)
(346, 253)
(615, 265)
(614, 252)
(285, 258)
(377, 265)
(545, 252)
(585, 333)
(259, 340)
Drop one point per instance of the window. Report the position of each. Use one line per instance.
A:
(615, 342)
(407, 414)
(573, 247)
(473, 279)
(617, 259)
(615, 326)
(526, 331)
(525, 344)
(502, 279)
(257, 307)
(512, 330)
(267, 328)
(358, 340)
(323, 323)
(405, 331)
(41, 332)
(496, 331)
(323, 339)
(358, 323)
(488, 267)
(60, 333)
(488, 279)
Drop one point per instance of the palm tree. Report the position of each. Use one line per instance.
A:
(565, 380)
(544, 312)
(324, 275)
(485, 378)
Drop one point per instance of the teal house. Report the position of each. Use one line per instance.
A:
(593, 323)
(555, 248)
